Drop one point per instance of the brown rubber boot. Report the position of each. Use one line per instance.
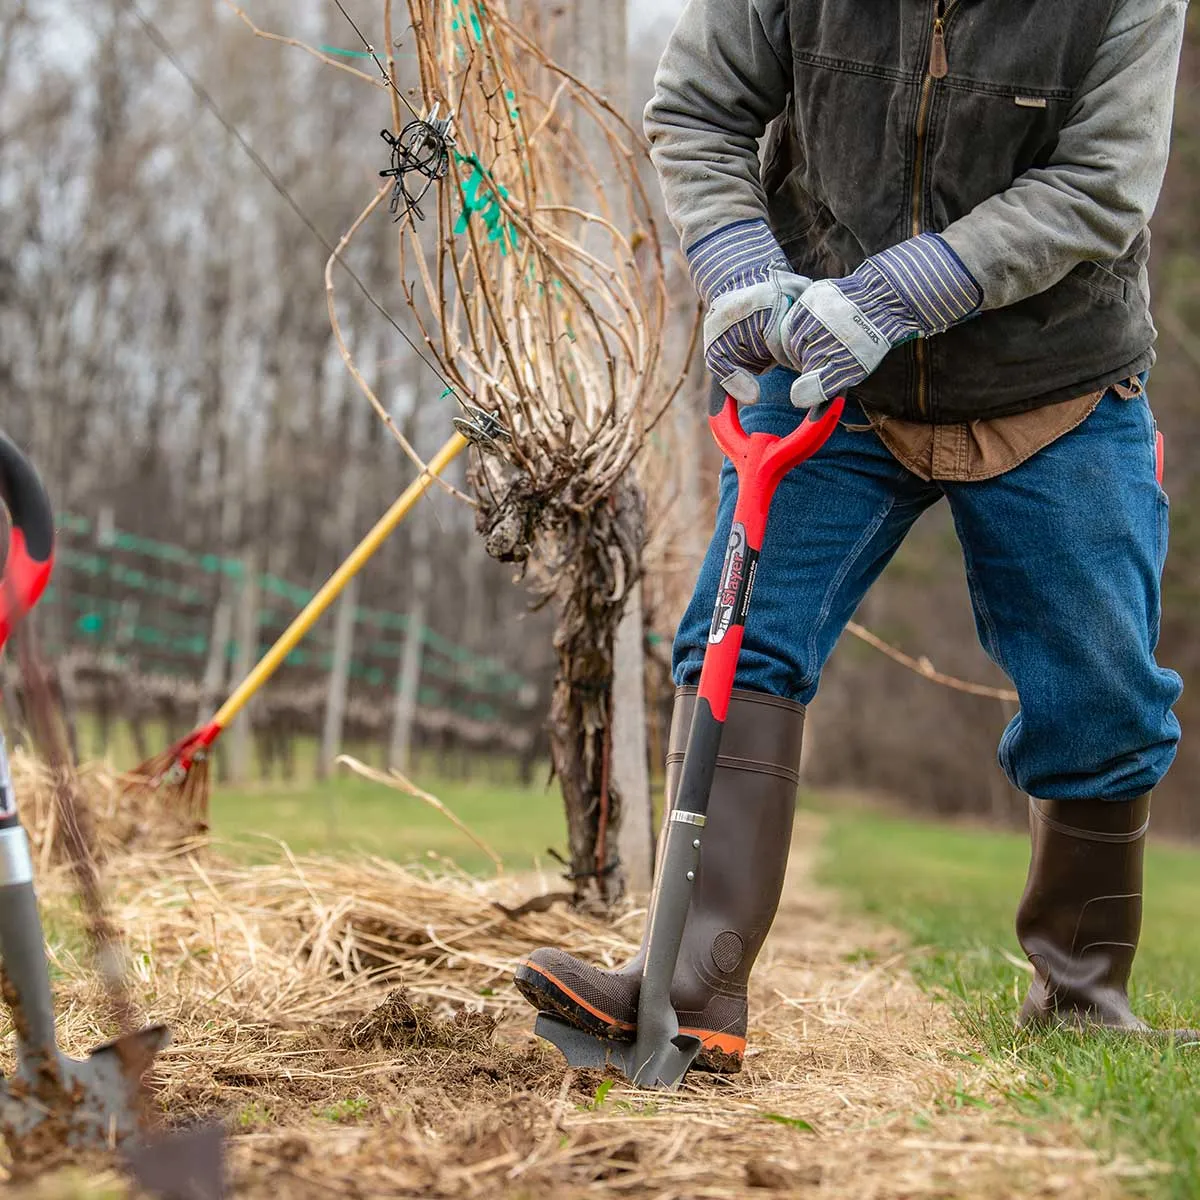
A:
(1081, 913)
(734, 898)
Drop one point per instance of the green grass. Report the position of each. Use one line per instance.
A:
(345, 1111)
(954, 890)
(349, 815)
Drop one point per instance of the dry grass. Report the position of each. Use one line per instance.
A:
(355, 1028)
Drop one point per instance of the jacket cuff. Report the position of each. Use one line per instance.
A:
(733, 256)
(931, 280)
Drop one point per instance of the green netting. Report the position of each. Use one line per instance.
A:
(161, 551)
(97, 565)
(187, 635)
(273, 585)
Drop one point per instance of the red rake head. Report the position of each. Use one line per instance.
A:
(180, 774)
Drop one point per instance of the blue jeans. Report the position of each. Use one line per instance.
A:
(1064, 555)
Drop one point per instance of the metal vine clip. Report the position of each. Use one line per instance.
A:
(422, 149)
(481, 427)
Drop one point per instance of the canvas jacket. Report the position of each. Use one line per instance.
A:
(1032, 136)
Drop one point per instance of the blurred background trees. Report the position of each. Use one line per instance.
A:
(166, 357)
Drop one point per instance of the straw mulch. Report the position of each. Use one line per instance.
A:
(354, 1027)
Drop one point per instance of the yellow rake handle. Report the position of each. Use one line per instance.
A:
(308, 616)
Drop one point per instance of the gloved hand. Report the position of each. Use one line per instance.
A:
(747, 285)
(840, 329)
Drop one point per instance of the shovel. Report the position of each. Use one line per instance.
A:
(660, 1056)
(54, 1101)
(94, 1102)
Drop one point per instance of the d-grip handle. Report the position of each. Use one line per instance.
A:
(761, 461)
(778, 455)
(30, 556)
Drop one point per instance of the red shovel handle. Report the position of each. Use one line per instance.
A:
(761, 461)
(31, 540)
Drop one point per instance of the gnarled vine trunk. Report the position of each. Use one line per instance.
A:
(590, 599)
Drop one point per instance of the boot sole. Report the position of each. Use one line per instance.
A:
(720, 1054)
(1041, 1023)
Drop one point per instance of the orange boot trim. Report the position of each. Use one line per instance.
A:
(576, 998)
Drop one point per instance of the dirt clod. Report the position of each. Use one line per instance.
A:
(399, 1024)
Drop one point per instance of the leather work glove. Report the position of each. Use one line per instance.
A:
(839, 330)
(747, 285)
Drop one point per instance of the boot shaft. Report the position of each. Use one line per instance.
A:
(746, 844)
(734, 898)
(1080, 917)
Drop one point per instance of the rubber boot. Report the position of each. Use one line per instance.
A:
(736, 893)
(1081, 914)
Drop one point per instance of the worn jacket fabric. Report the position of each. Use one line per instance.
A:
(1036, 146)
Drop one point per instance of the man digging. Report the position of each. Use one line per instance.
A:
(968, 184)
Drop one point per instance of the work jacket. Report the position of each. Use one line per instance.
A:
(1032, 136)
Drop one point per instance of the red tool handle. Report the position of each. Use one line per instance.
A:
(761, 460)
(30, 556)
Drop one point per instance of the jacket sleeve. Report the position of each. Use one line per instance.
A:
(1100, 187)
(724, 76)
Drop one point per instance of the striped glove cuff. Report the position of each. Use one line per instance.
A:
(937, 291)
(735, 256)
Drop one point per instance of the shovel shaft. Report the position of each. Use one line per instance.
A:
(668, 914)
(761, 461)
(22, 944)
(26, 974)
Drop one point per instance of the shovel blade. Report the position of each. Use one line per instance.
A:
(95, 1102)
(660, 1066)
(582, 1049)
(113, 1071)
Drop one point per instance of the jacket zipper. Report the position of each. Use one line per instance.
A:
(939, 68)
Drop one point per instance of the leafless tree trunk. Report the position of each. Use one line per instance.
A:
(214, 667)
(590, 600)
(339, 680)
(351, 433)
(635, 826)
(408, 680)
(611, 809)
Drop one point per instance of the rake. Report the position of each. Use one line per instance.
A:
(182, 770)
